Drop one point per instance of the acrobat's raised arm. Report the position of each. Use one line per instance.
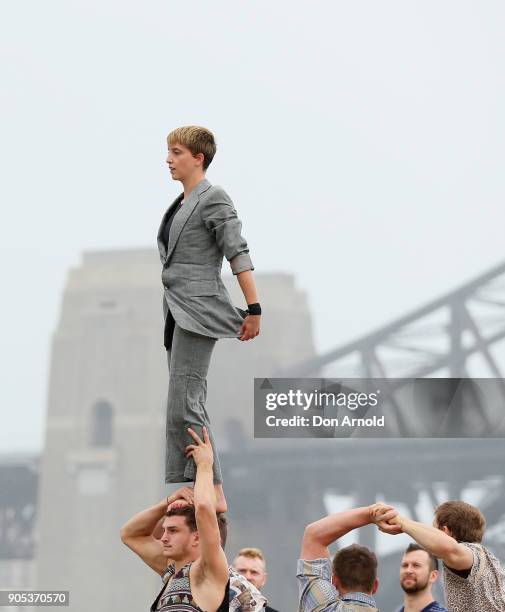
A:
(436, 541)
(319, 535)
(213, 559)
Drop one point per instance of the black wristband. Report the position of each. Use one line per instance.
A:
(254, 309)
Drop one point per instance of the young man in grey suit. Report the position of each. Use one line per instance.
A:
(198, 229)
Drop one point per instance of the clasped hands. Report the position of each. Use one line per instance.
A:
(386, 518)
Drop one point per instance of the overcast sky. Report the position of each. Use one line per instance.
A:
(362, 142)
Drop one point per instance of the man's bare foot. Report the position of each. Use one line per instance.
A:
(221, 505)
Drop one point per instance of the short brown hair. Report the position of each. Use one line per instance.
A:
(466, 522)
(356, 567)
(197, 139)
(188, 512)
(412, 547)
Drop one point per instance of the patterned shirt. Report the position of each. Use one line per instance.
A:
(176, 592)
(244, 596)
(317, 593)
(484, 587)
(176, 595)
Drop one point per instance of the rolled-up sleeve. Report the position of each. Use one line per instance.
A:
(220, 218)
(478, 565)
(316, 592)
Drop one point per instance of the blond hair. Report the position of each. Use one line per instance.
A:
(197, 139)
(252, 553)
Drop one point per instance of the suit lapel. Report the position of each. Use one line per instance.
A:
(161, 244)
(183, 215)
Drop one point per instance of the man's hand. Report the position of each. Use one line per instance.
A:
(180, 499)
(250, 327)
(200, 451)
(386, 518)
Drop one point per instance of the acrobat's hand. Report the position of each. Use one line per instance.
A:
(386, 518)
(201, 451)
(250, 327)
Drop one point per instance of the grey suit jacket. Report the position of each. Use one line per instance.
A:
(203, 230)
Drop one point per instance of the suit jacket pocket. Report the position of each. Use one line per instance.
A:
(202, 287)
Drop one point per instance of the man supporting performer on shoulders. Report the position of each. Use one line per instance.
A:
(198, 229)
(182, 539)
(349, 583)
(473, 576)
(198, 573)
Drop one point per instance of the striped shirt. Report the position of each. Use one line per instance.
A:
(317, 593)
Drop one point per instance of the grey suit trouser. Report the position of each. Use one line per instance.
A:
(188, 363)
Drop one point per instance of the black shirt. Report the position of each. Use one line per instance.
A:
(434, 606)
(168, 223)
